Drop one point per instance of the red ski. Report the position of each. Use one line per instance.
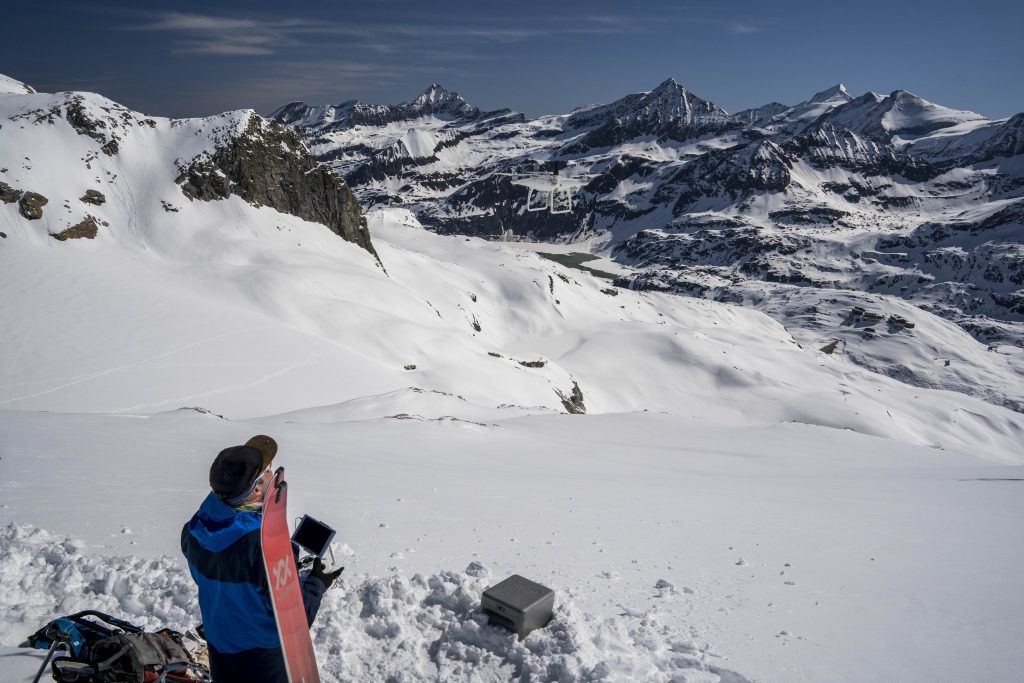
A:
(285, 593)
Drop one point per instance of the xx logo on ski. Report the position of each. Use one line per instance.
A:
(282, 572)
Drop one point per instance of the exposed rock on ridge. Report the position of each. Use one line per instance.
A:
(267, 165)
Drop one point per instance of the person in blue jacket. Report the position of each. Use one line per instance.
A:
(222, 545)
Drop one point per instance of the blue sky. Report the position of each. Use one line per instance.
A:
(191, 58)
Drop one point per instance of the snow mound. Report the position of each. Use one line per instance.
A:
(391, 628)
(430, 628)
(44, 576)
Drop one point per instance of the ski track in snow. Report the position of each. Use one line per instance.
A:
(311, 359)
(70, 382)
(393, 628)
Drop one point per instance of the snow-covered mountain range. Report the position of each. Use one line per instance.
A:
(713, 497)
(807, 211)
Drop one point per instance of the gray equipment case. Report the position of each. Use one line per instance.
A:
(518, 604)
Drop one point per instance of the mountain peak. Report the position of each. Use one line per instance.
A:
(668, 84)
(671, 101)
(900, 94)
(436, 99)
(669, 108)
(837, 91)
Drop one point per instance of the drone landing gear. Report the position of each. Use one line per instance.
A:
(558, 200)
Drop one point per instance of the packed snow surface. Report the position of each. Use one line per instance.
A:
(735, 505)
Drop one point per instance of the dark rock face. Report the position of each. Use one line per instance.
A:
(981, 255)
(31, 205)
(87, 229)
(573, 400)
(1008, 143)
(744, 247)
(729, 174)
(93, 197)
(94, 128)
(8, 194)
(827, 146)
(267, 165)
(505, 203)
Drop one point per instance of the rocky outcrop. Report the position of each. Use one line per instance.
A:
(87, 229)
(93, 197)
(8, 194)
(104, 121)
(267, 165)
(31, 205)
(572, 401)
(503, 202)
(83, 124)
(730, 175)
(828, 146)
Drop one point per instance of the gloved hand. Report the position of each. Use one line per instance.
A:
(327, 577)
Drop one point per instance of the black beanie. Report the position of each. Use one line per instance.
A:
(234, 470)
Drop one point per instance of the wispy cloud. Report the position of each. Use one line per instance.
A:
(202, 34)
(741, 27)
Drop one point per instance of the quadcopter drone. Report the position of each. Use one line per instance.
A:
(549, 190)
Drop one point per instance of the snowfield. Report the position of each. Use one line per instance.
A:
(735, 505)
(678, 550)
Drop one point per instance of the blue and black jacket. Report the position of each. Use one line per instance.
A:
(222, 546)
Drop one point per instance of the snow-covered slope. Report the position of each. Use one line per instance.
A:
(9, 86)
(679, 539)
(901, 113)
(733, 500)
(679, 550)
(78, 165)
(892, 196)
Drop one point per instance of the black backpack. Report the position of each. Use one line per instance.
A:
(130, 658)
(79, 632)
(105, 649)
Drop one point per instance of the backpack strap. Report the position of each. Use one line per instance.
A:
(107, 663)
(108, 621)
